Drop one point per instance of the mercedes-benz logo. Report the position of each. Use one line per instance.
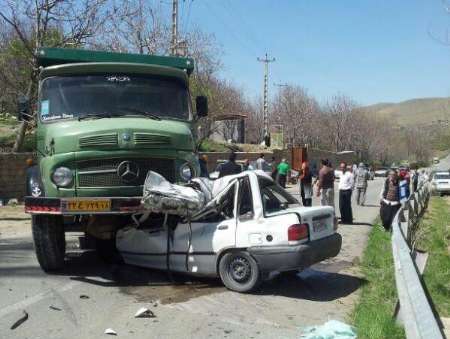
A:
(128, 171)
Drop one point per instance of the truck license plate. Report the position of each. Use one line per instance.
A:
(97, 205)
(319, 226)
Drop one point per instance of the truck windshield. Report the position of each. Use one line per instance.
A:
(65, 97)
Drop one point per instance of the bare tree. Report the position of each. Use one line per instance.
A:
(53, 23)
(296, 111)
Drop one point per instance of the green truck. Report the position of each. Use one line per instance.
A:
(103, 121)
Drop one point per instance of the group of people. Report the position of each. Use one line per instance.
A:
(354, 179)
(279, 171)
(323, 186)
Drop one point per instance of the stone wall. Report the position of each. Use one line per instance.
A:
(13, 168)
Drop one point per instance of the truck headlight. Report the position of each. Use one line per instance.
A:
(62, 176)
(186, 172)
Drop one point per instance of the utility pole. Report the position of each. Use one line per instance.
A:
(174, 42)
(266, 62)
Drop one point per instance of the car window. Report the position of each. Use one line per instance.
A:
(274, 198)
(227, 203)
(245, 198)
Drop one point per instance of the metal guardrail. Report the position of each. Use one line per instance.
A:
(415, 312)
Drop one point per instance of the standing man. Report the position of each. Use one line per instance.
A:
(390, 199)
(230, 167)
(361, 180)
(305, 178)
(283, 170)
(346, 184)
(325, 185)
(273, 166)
(261, 163)
(203, 162)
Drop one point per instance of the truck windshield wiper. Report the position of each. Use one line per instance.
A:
(140, 112)
(94, 116)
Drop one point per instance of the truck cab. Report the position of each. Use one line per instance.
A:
(103, 121)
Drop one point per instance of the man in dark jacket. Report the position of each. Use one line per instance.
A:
(230, 167)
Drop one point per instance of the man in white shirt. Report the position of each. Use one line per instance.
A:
(346, 184)
(261, 163)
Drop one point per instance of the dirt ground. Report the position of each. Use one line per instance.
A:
(14, 221)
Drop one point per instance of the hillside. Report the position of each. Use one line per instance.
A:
(420, 111)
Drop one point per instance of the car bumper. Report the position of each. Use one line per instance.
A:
(287, 258)
(441, 189)
(77, 206)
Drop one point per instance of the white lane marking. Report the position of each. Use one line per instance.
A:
(34, 299)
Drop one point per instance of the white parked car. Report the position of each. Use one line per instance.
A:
(440, 183)
(252, 229)
(382, 172)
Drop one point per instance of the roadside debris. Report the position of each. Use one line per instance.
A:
(84, 296)
(144, 312)
(110, 331)
(54, 308)
(20, 321)
(332, 329)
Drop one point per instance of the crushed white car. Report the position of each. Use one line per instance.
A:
(249, 229)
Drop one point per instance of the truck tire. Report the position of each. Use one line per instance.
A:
(49, 241)
(239, 272)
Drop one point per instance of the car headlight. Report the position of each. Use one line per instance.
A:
(186, 172)
(62, 176)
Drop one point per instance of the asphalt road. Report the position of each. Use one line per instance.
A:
(186, 309)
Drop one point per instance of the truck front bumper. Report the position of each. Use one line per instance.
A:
(83, 205)
(287, 258)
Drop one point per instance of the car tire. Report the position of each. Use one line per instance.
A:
(239, 272)
(49, 241)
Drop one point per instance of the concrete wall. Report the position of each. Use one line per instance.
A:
(13, 175)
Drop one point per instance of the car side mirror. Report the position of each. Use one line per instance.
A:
(23, 109)
(201, 105)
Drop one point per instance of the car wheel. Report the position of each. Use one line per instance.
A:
(49, 241)
(239, 271)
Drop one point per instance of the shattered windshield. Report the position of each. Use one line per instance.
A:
(68, 97)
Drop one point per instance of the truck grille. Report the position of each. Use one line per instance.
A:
(107, 140)
(151, 140)
(104, 172)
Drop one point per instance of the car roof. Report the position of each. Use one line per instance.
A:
(442, 173)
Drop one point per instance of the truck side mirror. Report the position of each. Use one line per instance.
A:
(201, 104)
(23, 109)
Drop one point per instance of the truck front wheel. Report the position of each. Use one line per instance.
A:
(239, 271)
(49, 241)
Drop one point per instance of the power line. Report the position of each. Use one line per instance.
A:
(266, 62)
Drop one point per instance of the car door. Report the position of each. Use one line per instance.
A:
(207, 235)
(264, 223)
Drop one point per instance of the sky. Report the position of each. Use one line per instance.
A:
(373, 51)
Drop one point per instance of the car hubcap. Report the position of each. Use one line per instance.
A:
(240, 269)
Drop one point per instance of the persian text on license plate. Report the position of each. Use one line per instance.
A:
(319, 225)
(97, 205)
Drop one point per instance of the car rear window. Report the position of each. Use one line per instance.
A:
(274, 198)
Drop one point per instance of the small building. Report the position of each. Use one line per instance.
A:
(229, 127)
